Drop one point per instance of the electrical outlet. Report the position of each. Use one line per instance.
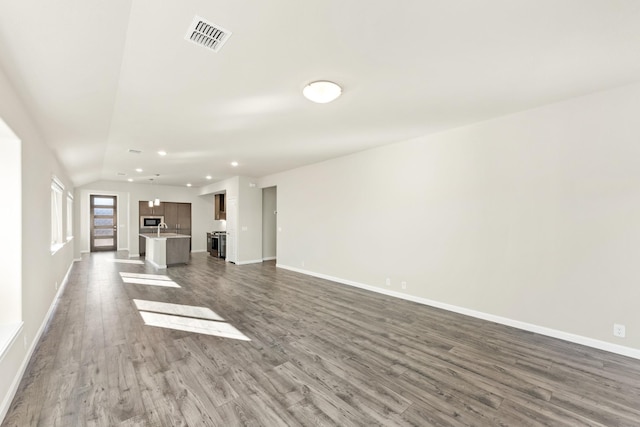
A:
(388, 282)
(403, 285)
(56, 285)
(303, 263)
(619, 330)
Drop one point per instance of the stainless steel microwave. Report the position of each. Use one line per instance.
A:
(151, 221)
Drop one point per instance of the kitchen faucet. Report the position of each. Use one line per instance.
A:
(162, 224)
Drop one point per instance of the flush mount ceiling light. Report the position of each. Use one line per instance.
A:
(322, 91)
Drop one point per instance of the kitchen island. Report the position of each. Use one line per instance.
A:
(166, 249)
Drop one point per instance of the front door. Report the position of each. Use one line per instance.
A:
(104, 227)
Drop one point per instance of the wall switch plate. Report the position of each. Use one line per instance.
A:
(25, 341)
(388, 282)
(619, 330)
(403, 285)
(245, 228)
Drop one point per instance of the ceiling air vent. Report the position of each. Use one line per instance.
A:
(206, 34)
(134, 151)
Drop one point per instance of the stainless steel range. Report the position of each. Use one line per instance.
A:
(217, 243)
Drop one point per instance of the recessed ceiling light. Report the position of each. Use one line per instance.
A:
(322, 91)
(138, 170)
(234, 164)
(130, 180)
(208, 176)
(189, 185)
(162, 153)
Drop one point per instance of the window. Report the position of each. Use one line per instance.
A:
(69, 216)
(11, 249)
(56, 212)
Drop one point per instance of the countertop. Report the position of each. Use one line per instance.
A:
(165, 236)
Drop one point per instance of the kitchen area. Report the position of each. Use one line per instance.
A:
(217, 240)
(165, 232)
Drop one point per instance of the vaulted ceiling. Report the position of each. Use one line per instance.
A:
(103, 77)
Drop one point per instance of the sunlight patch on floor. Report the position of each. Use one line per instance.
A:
(145, 276)
(126, 261)
(189, 324)
(177, 309)
(151, 282)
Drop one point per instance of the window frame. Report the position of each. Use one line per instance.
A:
(57, 192)
(69, 216)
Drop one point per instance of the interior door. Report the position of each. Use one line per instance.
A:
(104, 226)
(232, 228)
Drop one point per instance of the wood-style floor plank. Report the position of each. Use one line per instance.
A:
(320, 353)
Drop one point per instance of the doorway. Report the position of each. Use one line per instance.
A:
(104, 225)
(269, 223)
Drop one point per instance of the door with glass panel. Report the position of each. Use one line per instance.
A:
(104, 227)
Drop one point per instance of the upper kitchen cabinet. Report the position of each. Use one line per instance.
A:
(144, 208)
(220, 212)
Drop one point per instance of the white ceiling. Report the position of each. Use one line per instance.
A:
(101, 77)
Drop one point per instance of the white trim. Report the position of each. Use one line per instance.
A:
(542, 330)
(198, 251)
(56, 184)
(13, 388)
(156, 265)
(134, 255)
(255, 261)
(8, 335)
(269, 258)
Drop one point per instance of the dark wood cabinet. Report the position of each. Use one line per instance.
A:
(184, 217)
(145, 210)
(219, 210)
(171, 215)
(143, 207)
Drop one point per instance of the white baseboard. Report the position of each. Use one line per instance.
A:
(18, 377)
(255, 261)
(198, 251)
(134, 255)
(542, 330)
(269, 258)
(158, 266)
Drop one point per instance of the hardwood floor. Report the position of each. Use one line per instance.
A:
(320, 354)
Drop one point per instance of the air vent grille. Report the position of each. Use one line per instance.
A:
(134, 151)
(206, 34)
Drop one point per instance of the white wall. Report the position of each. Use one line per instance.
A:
(533, 217)
(248, 236)
(269, 222)
(249, 221)
(38, 290)
(129, 195)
